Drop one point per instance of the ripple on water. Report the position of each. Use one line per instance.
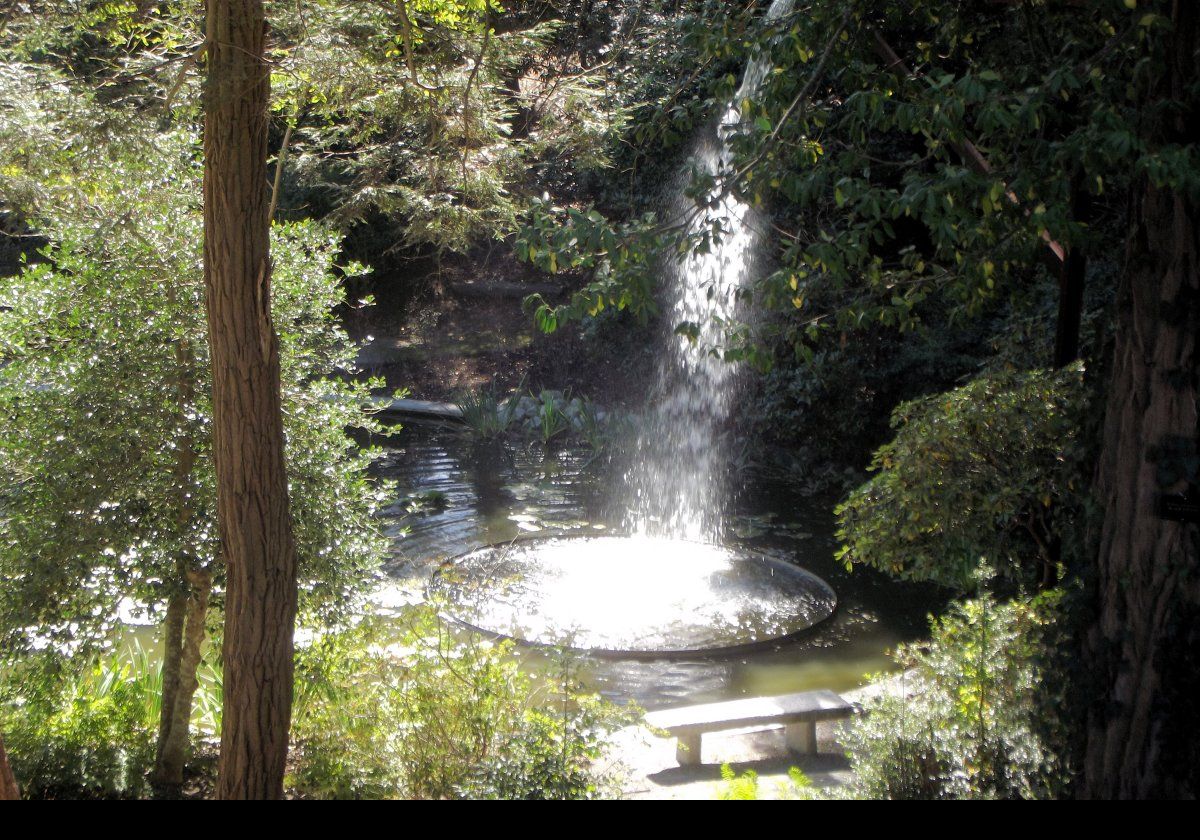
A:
(485, 487)
(633, 594)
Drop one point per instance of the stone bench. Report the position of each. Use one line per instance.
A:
(799, 713)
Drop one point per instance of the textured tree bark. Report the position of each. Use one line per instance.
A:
(252, 491)
(8, 784)
(1142, 731)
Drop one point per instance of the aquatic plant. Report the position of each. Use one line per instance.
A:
(426, 502)
(547, 416)
(552, 415)
(486, 414)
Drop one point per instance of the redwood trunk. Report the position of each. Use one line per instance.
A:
(1142, 733)
(8, 784)
(248, 446)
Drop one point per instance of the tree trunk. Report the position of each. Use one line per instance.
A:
(1142, 733)
(172, 656)
(252, 491)
(174, 729)
(1072, 274)
(8, 783)
(187, 607)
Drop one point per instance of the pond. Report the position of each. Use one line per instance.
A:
(457, 495)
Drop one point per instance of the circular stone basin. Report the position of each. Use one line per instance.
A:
(636, 596)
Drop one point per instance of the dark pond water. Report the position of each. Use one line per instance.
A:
(456, 495)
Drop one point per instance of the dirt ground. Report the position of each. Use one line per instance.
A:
(473, 330)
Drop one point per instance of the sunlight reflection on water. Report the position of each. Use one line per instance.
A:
(634, 594)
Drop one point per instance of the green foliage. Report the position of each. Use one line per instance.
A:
(126, 49)
(77, 730)
(670, 71)
(552, 419)
(485, 412)
(106, 485)
(416, 712)
(430, 114)
(881, 214)
(598, 428)
(746, 787)
(895, 214)
(557, 750)
(622, 261)
(738, 788)
(819, 414)
(979, 718)
(547, 416)
(415, 123)
(381, 713)
(992, 469)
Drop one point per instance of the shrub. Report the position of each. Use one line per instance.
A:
(982, 723)
(418, 713)
(107, 491)
(80, 734)
(555, 752)
(85, 727)
(992, 469)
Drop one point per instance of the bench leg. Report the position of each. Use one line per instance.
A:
(802, 737)
(687, 750)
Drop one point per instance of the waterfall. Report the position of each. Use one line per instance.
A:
(680, 481)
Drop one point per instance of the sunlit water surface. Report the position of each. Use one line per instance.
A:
(495, 493)
(633, 595)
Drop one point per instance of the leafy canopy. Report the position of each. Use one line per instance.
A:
(895, 189)
(106, 485)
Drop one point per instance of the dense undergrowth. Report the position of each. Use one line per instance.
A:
(395, 708)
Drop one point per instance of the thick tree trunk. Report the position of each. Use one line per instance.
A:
(8, 783)
(252, 492)
(1142, 732)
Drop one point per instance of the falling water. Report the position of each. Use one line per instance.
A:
(680, 482)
